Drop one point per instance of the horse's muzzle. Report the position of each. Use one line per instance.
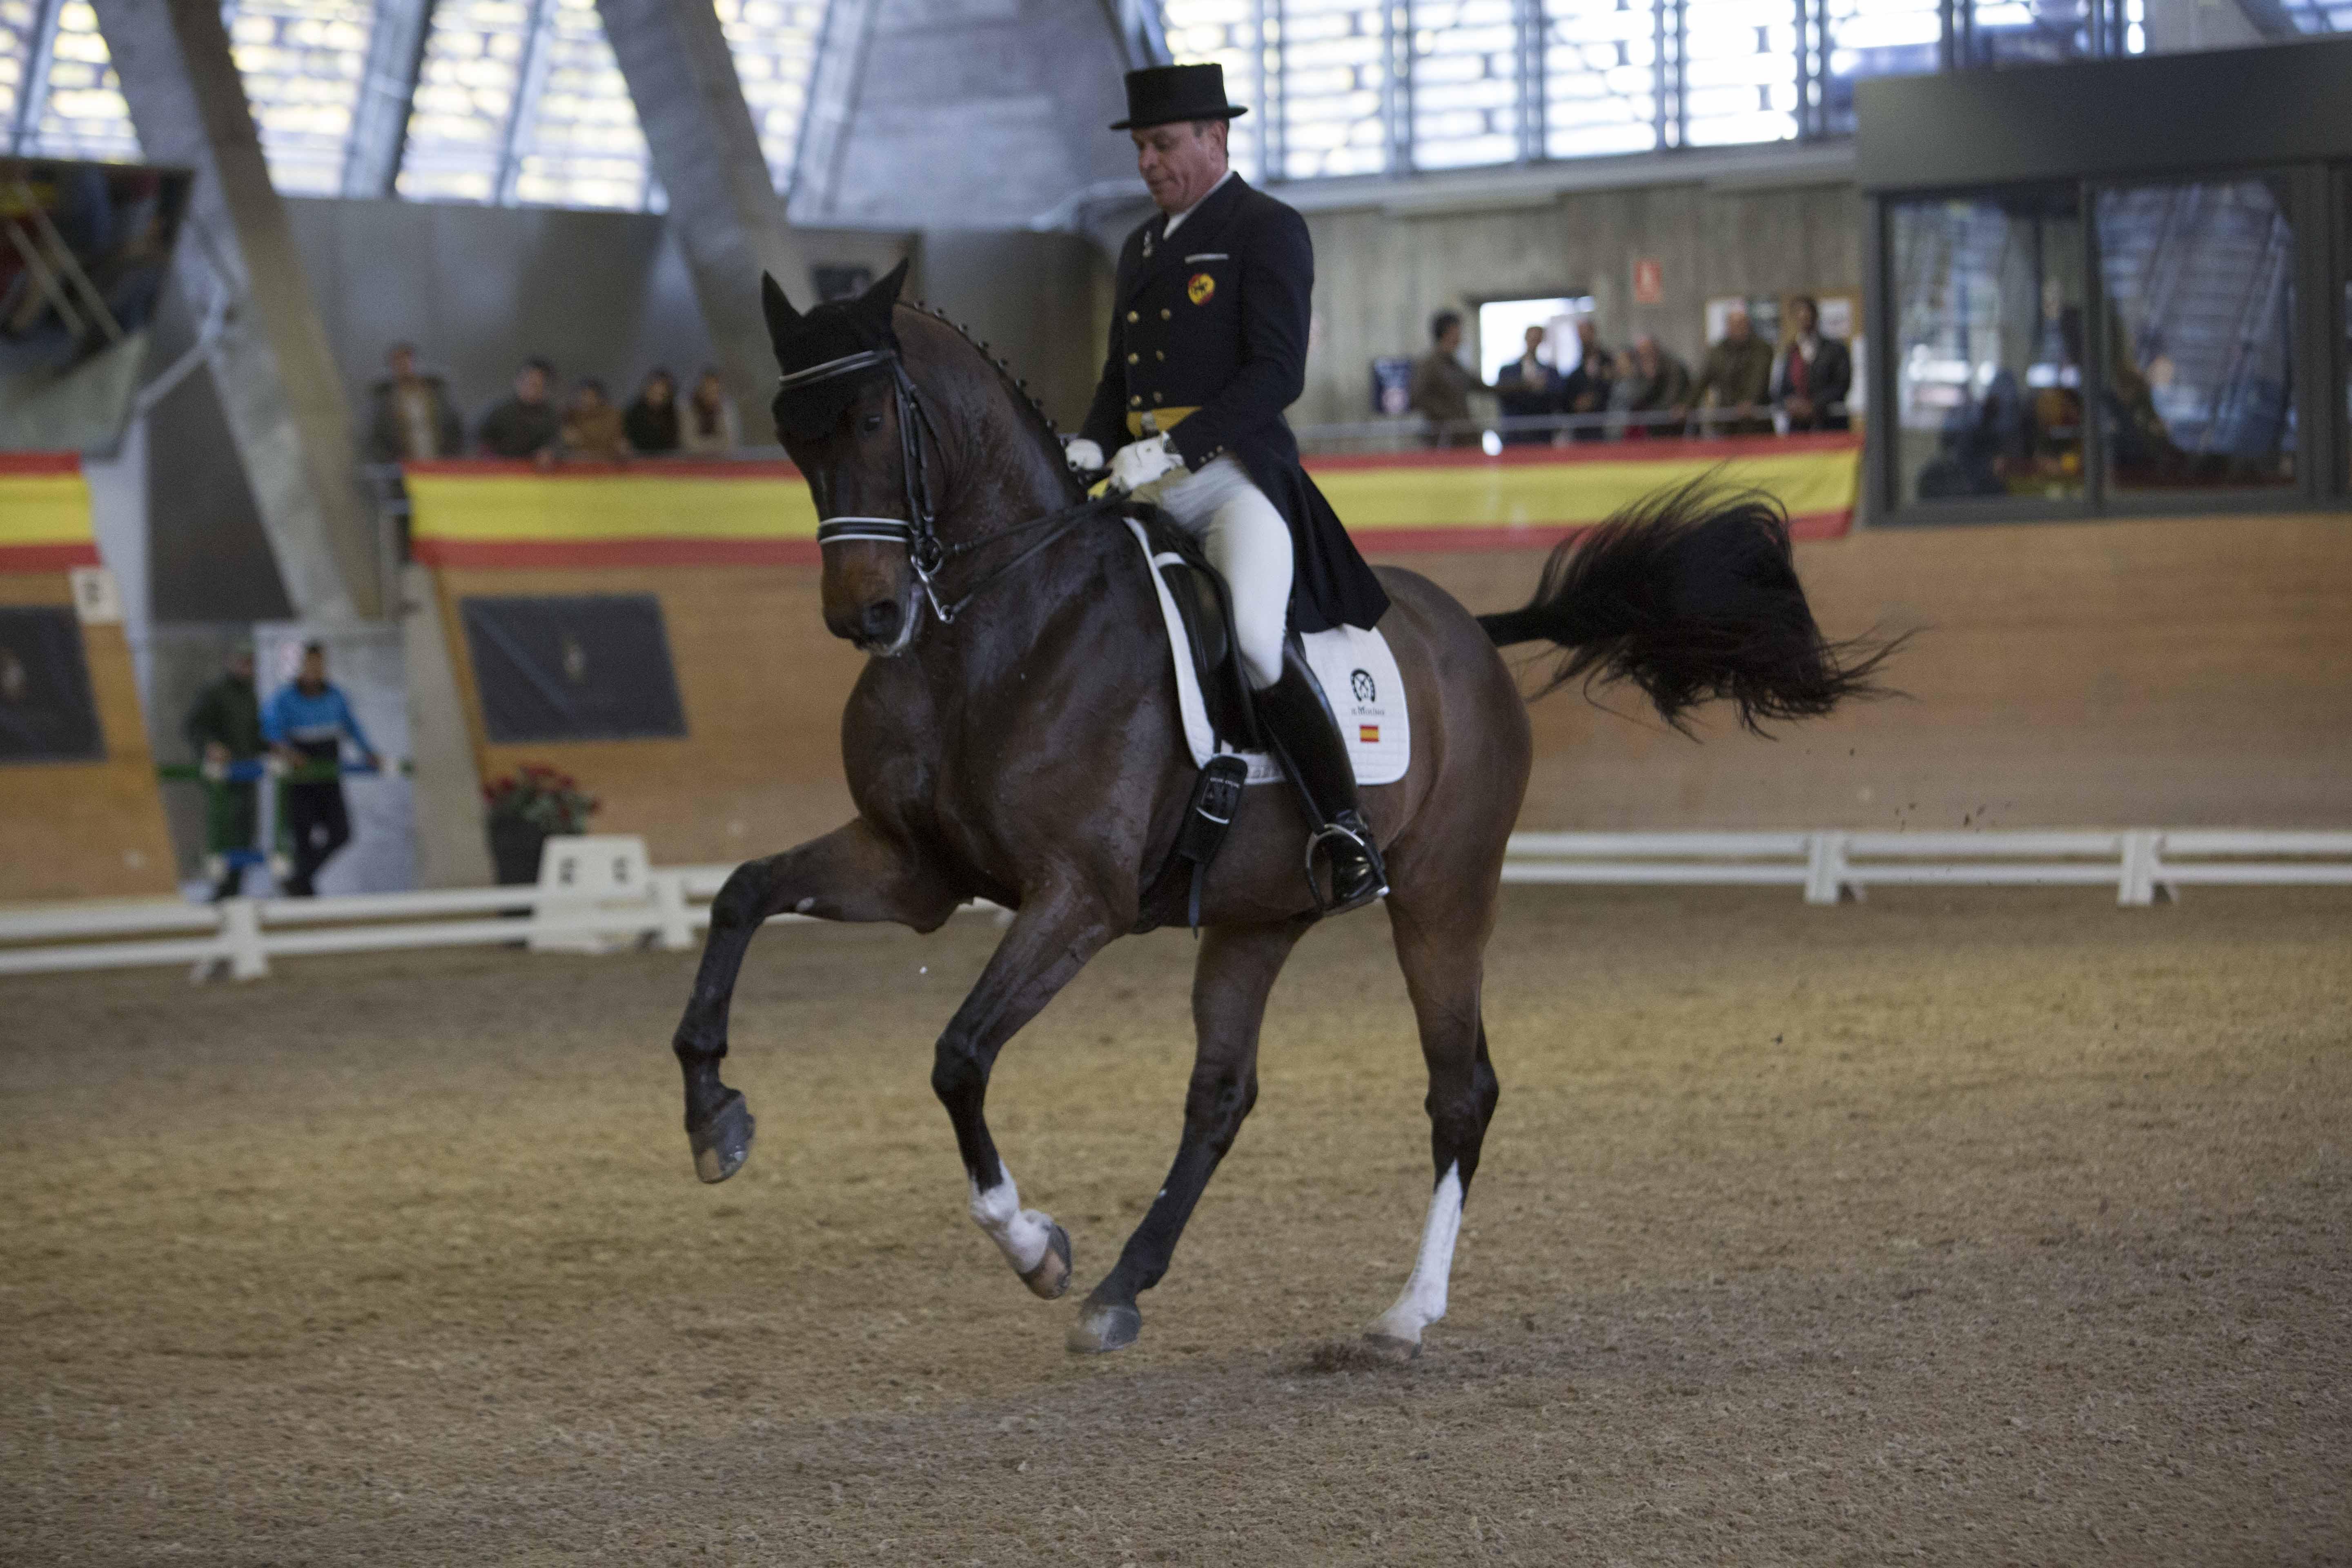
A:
(871, 597)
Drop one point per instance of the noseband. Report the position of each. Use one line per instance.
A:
(918, 531)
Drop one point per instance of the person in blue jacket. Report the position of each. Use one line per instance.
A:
(305, 724)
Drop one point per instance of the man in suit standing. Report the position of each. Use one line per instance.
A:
(1810, 383)
(1208, 346)
(1527, 388)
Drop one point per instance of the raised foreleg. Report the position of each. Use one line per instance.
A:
(1236, 970)
(1056, 931)
(851, 874)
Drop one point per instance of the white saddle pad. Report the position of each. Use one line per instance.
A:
(1359, 674)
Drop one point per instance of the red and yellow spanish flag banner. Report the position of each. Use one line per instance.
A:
(1532, 496)
(663, 513)
(674, 513)
(43, 514)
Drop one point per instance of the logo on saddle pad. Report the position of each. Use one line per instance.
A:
(1200, 286)
(1360, 683)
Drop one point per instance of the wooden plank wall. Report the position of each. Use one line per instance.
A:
(2194, 671)
(73, 830)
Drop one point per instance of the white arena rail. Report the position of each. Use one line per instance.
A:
(667, 906)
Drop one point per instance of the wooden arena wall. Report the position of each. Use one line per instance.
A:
(75, 829)
(2188, 670)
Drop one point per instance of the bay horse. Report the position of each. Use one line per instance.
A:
(1015, 737)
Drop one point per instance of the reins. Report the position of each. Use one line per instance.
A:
(918, 531)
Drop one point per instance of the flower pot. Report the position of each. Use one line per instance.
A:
(514, 850)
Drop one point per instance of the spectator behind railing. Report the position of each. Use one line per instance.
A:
(1651, 383)
(413, 416)
(525, 425)
(1560, 430)
(1587, 391)
(708, 423)
(1737, 372)
(592, 426)
(1440, 386)
(651, 423)
(1527, 388)
(1813, 375)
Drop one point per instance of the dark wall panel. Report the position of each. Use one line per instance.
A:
(2175, 114)
(592, 667)
(47, 711)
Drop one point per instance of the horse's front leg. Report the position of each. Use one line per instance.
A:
(1056, 931)
(851, 874)
(1230, 985)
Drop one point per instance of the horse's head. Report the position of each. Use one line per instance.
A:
(843, 428)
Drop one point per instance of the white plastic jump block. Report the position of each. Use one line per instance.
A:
(582, 877)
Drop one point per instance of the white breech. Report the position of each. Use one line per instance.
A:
(1249, 544)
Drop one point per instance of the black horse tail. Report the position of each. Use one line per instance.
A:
(1691, 594)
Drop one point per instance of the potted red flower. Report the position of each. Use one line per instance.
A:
(526, 807)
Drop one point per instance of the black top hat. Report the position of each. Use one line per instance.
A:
(1164, 95)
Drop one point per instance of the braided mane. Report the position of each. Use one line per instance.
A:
(1041, 421)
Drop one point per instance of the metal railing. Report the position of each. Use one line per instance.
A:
(1412, 432)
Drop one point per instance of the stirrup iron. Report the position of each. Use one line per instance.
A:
(1344, 834)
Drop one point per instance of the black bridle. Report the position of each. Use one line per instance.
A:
(927, 555)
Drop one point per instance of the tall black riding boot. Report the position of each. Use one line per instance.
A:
(1306, 738)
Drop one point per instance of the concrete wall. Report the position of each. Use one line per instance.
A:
(969, 112)
(1381, 275)
(1032, 298)
(480, 288)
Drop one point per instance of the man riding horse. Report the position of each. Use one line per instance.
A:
(1016, 733)
(1208, 346)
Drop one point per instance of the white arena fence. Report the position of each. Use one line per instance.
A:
(595, 894)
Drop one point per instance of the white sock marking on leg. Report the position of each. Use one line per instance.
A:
(1021, 1234)
(1422, 1301)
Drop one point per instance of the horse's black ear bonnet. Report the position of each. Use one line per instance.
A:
(833, 330)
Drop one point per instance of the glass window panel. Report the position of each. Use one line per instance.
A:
(16, 25)
(82, 114)
(520, 103)
(1987, 322)
(2320, 16)
(1874, 37)
(1226, 33)
(2200, 362)
(1335, 81)
(1740, 71)
(774, 45)
(1465, 88)
(465, 96)
(579, 143)
(2027, 32)
(302, 62)
(1600, 78)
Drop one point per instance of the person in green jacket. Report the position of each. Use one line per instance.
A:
(224, 727)
(1738, 371)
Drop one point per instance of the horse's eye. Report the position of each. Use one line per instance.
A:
(871, 423)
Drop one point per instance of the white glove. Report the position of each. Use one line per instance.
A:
(1139, 463)
(1083, 456)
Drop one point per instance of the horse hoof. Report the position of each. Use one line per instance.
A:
(1111, 1327)
(1052, 1275)
(1390, 1348)
(722, 1143)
